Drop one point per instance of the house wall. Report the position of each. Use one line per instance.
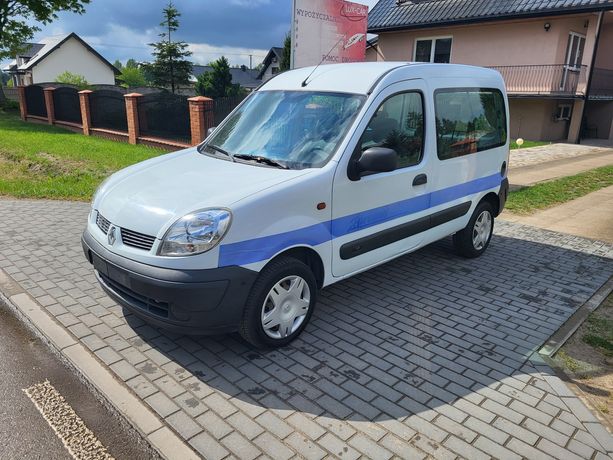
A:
(72, 56)
(604, 55)
(499, 43)
(532, 119)
(268, 74)
(371, 54)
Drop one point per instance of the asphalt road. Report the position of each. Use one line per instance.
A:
(24, 361)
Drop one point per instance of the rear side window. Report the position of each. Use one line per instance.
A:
(469, 120)
(398, 124)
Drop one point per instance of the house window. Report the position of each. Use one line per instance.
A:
(469, 120)
(433, 50)
(563, 112)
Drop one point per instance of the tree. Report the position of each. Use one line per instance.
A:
(69, 78)
(131, 63)
(170, 67)
(19, 20)
(287, 53)
(118, 65)
(218, 81)
(132, 77)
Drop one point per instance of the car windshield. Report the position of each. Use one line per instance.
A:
(289, 129)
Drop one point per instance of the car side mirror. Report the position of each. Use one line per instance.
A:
(374, 160)
(210, 130)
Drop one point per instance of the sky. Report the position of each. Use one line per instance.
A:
(121, 29)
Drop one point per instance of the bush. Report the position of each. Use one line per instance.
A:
(10, 105)
(73, 79)
(132, 77)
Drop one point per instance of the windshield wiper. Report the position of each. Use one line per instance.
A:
(259, 159)
(220, 150)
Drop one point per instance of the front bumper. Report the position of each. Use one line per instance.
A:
(207, 301)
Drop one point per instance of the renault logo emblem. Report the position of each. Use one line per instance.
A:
(111, 235)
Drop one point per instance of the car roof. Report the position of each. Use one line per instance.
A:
(361, 77)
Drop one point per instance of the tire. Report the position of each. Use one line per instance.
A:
(474, 239)
(267, 324)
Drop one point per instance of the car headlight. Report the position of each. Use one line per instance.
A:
(196, 233)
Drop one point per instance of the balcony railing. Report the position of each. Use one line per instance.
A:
(544, 80)
(602, 84)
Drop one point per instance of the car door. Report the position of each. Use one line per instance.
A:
(378, 216)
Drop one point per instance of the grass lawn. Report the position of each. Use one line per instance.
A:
(41, 161)
(547, 194)
(527, 144)
(587, 358)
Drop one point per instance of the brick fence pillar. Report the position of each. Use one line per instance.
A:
(132, 115)
(200, 117)
(23, 108)
(49, 104)
(86, 121)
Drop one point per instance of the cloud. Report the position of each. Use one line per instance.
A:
(204, 53)
(250, 3)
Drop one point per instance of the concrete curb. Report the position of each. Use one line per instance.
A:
(559, 338)
(165, 441)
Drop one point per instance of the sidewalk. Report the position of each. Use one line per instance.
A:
(428, 356)
(590, 216)
(538, 164)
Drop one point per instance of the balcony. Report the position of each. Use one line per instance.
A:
(556, 80)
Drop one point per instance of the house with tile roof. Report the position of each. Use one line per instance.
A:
(556, 56)
(271, 64)
(245, 77)
(43, 62)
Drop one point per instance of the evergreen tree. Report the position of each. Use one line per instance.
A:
(217, 82)
(170, 67)
(287, 53)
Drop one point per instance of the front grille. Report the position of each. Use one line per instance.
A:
(145, 303)
(102, 223)
(137, 240)
(129, 237)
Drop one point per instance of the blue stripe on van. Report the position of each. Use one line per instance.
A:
(257, 249)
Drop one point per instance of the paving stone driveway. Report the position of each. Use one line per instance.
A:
(425, 356)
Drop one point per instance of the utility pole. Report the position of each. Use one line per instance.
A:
(250, 61)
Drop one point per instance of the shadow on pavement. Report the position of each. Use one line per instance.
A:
(412, 335)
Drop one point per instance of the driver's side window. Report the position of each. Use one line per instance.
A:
(398, 124)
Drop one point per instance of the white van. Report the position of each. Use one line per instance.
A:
(318, 175)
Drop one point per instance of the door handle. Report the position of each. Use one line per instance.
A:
(420, 179)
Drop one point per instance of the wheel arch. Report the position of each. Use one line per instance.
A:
(309, 257)
(492, 199)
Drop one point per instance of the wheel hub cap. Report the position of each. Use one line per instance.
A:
(286, 307)
(482, 230)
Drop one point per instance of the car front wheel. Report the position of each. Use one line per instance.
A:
(280, 304)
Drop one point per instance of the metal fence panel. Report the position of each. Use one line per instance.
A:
(108, 110)
(164, 115)
(66, 105)
(11, 93)
(35, 101)
(222, 107)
